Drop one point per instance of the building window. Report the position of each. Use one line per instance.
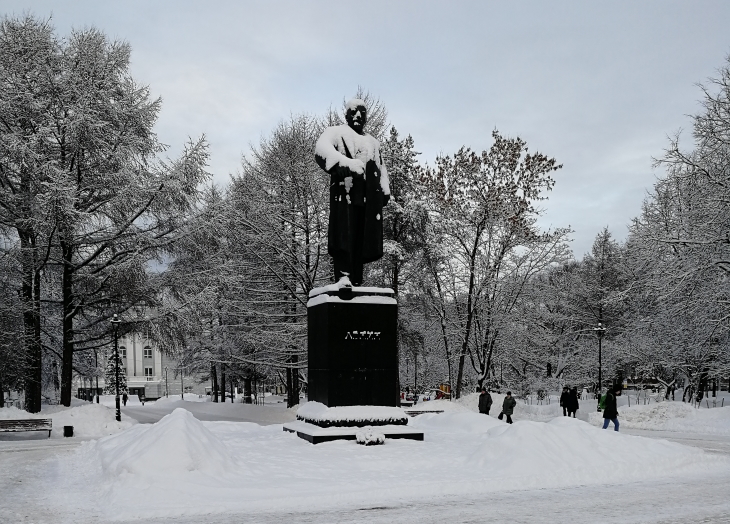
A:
(148, 373)
(147, 352)
(122, 352)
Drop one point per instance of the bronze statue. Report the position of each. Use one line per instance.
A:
(359, 188)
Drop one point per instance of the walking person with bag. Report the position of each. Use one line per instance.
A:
(572, 403)
(485, 401)
(564, 400)
(508, 407)
(610, 410)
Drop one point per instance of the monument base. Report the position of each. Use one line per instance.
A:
(316, 435)
(352, 346)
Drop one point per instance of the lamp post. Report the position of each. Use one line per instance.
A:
(115, 322)
(96, 365)
(600, 331)
(166, 389)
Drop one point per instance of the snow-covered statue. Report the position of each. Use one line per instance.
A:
(359, 188)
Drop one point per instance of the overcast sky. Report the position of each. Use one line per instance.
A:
(598, 85)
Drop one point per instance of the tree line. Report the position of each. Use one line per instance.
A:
(94, 222)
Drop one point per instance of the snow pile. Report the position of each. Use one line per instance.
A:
(566, 450)
(671, 416)
(88, 420)
(13, 413)
(181, 466)
(320, 415)
(369, 437)
(179, 443)
(455, 422)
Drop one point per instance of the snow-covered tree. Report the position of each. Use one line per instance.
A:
(78, 142)
(110, 375)
(483, 241)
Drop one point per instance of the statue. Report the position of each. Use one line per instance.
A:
(359, 188)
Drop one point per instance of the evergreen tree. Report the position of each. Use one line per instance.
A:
(110, 375)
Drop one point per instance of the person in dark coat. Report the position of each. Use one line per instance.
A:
(359, 188)
(485, 401)
(124, 398)
(508, 407)
(564, 400)
(573, 404)
(610, 409)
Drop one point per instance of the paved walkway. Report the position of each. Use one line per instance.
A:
(274, 413)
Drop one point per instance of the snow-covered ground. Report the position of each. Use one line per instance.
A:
(188, 470)
(88, 420)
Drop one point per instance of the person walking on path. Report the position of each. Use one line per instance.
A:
(564, 400)
(508, 407)
(610, 410)
(485, 401)
(572, 403)
(124, 398)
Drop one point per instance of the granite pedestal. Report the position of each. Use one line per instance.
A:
(353, 354)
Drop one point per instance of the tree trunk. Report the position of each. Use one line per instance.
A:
(289, 387)
(247, 390)
(223, 384)
(32, 326)
(214, 381)
(295, 380)
(231, 382)
(67, 336)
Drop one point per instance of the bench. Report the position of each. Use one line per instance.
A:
(416, 412)
(27, 424)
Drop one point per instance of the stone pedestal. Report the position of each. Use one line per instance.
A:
(353, 355)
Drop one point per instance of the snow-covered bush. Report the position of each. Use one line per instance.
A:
(369, 437)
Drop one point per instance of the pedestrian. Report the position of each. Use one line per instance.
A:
(124, 398)
(564, 400)
(508, 407)
(485, 401)
(573, 404)
(610, 410)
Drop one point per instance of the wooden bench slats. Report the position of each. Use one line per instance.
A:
(29, 424)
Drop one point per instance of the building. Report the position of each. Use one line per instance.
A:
(148, 371)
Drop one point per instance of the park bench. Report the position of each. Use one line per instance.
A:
(28, 424)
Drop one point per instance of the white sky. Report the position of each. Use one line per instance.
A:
(598, 85)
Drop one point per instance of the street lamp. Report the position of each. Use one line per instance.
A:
(115, 322)
(96, 365)
(600, 331)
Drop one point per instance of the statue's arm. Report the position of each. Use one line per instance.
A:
(328, 157)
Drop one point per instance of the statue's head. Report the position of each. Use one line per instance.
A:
(356, 115)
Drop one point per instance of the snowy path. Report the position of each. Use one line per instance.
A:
(152, 412)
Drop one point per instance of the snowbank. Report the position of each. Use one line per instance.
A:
(177, 444)
(88, 420)
(671, 416)
(184, 466)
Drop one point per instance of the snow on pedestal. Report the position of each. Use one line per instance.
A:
(317, 423)
(348, 416)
